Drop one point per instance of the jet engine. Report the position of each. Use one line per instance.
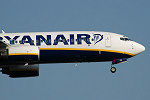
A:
(21, 71)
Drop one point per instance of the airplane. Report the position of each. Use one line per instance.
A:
(21, 53)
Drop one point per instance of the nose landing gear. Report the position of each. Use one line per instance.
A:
(113, 69)
(117, 61)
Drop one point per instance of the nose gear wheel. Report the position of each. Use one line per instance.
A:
(113, 69)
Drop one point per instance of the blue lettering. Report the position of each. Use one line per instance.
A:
(12, 41)
(84, 37)
(97, 38)
(27, 39)
(60, 38)
(40, 38)
(71, 39)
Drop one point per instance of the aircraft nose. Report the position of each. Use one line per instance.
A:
(139, 48)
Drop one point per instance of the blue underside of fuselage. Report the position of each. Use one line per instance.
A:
(64, 56)
(69, 56)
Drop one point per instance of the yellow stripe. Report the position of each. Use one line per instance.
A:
(23, 54)
(83, 49)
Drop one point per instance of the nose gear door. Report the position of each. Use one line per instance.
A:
(108, 41)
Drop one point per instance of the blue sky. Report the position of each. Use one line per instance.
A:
(87, 81)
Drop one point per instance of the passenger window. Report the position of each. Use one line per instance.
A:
(32, 41)
(72, 40)
(24, 41)
(63, 40)
(88, 39)
(59, 40)
(80, 40)
(68, 40)
(37, 41)
(11, 41)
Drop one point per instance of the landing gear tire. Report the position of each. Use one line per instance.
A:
(113, 69)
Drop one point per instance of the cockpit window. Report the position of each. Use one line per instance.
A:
(125, 39)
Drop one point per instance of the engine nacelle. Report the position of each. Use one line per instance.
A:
(3, 54)
(21, 71)
(23, 54)
(117, 61)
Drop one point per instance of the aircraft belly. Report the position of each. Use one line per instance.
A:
(68, 56)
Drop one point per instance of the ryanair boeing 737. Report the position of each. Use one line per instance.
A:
(21, 53)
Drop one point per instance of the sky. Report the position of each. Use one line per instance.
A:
(87, 81)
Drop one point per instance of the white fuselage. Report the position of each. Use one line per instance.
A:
(21, 53)
(74, 46)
